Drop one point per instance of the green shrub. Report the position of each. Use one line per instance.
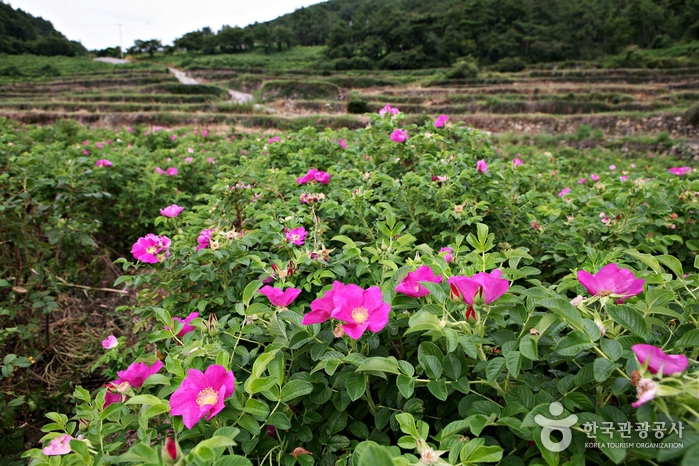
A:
(357, 106)
(290, 89)
(691, 116)
(510, 65)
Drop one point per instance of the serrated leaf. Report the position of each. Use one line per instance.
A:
(628, 318)
(494, 368)
(438, 388)
(356, 385)
(406, 385)
(603, 368)
(513, 361)
(295, 389)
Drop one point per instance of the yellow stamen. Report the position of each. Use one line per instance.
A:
(208, 396)
(360, 315)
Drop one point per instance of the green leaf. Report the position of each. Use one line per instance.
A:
(261, 363)
(216, 442)
(611, 348)
(378, 366)
(528, 348)
(671, 263)
(294, 389)
(356, 385)
(279, 420)
(438, 388)
(563, 309)
(406, 421)
(690, 338)
(234, 460)
(432, 366)
(628, 318)
(376, 455)
(483, 454)
(249, 423)
(603, 368)
(257, 408)
(552, 458)
(406, 385)
(574, 343)
(249, 291)
(647, 259)
(140, 452)
(513, 361)
(144, 400)
(336, 423)
(494, 368)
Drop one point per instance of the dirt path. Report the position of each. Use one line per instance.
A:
(236, 96)
(113, 61)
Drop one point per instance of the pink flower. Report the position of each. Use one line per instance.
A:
(659, 361)
(612, 167)
(172, 171)
(58, 446)
(399, 135)
(359, 309)
(159, 171)
(274, 139)
(679, 171)
(342, 143)
(210, 160)
(517, 162)
(633, 165)
(186, 321)
(646, 390)
(137, 373)
(563, 192)
(129, 129)
(322, 308)
(448, 253)
(535, 225)
(99, 145)
(594, 177)
(171, 211)
(188, 159)
(611, 280)
(201, 394)
(204, 133)
(411, 284)
(85, 143)
(582, 181)
(173, 137)
(110, 342)
(297, 235)
(314, 175)
(441, 121)
(388, 109)
(278, 297)
(103, 163)
(86, 152)
(151, 248)
(481, 166)
(190, 150)
(204, 239)
(486, 286)
(623, 178)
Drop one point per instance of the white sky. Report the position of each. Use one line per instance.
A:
(95, 22)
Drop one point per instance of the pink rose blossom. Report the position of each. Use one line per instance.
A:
(204, 239)
(138, 372)
(485, 286)
(399, 135)
(517, 162)
(481, 166)
(623, 178)
(441, 121)
(103, 163)
(86, 152)
(659, 361)
(202, 394)
(612, 281)
(188, 159)
(171, 211)
(342, 143)
(612, 167)
(322, 308)
(680, 171)
(190, 150)
(159, 171)
(172, 171)
(297, 235)
(278, 297)
(173, 137)
(314, 175)
(388, 109)
(274, 139)
(582, 181)
(110, 342)
(210, 160)
(563, 192)
(411, 283)
(99, 145)
(151, 248)
(58, 446)
(187, 327)
(447, 253)
(85, 143)
(594, 177)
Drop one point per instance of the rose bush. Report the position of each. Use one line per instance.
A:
(541, 300)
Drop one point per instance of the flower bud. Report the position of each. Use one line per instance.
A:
(171, 452)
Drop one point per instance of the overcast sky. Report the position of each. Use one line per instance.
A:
(95, 22)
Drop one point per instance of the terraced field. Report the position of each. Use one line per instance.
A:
(573, 104)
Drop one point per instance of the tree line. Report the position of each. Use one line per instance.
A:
(21, 33)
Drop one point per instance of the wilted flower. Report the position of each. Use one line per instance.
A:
(399, 135)
(201, 394)
(646, 389)
(659, 361)
(278, 297)
(110, 342)
(577, 301)
(411, 283)
(611, 280)
(58, 446)
(151, 248)
(171, 211)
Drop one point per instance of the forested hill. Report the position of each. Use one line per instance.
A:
(21, 32)
(418, 33)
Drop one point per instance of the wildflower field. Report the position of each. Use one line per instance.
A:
(398, 294)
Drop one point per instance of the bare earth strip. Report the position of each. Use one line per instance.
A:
(113, 61)
(236, 96)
